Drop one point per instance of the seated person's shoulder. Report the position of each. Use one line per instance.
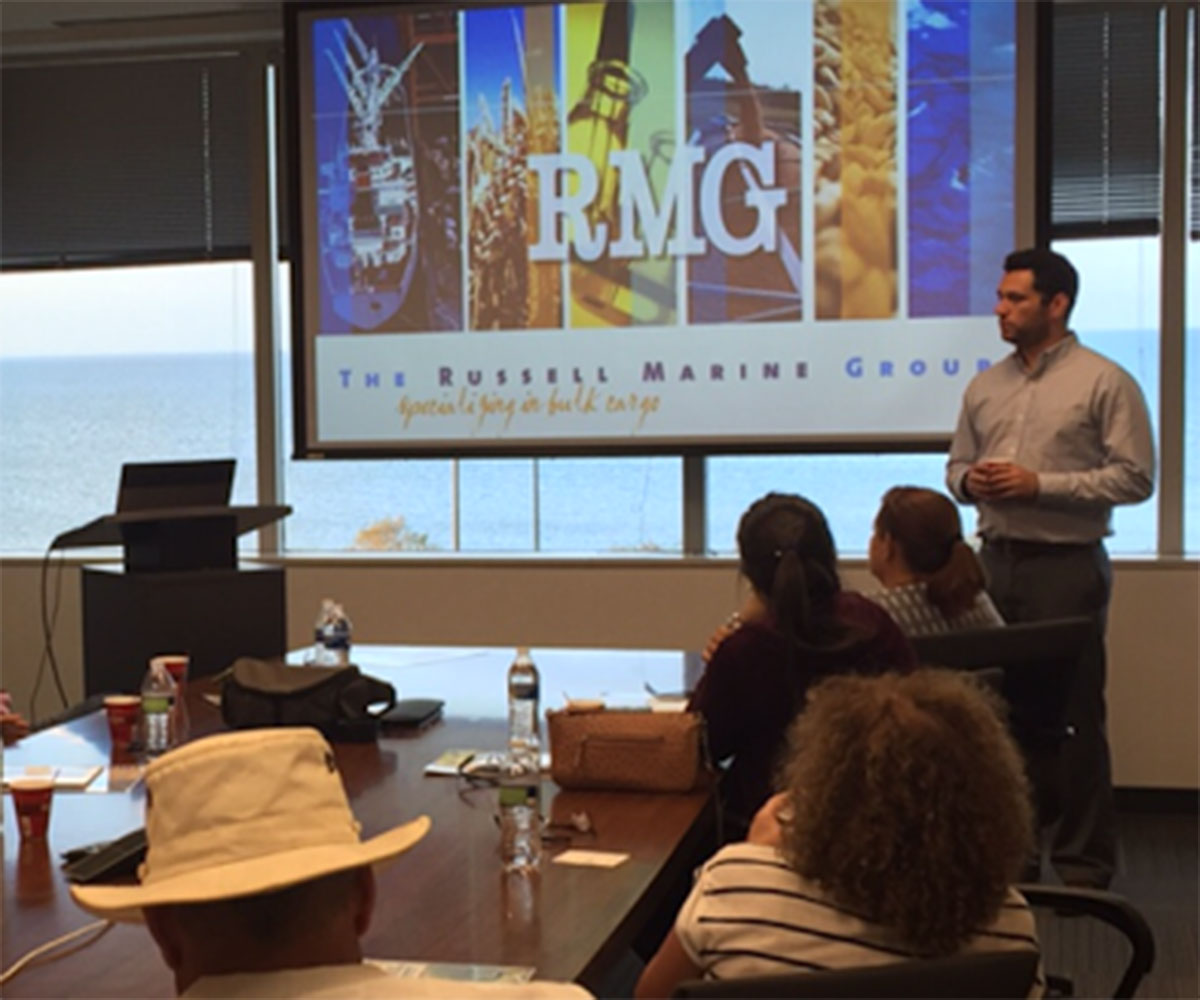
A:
(750, 638)
(734, 863)
(882, 632)
(746, 658)
(851, 606)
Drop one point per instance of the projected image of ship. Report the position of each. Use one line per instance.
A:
(367, 192)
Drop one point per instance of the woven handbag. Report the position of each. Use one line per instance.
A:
(627, 749)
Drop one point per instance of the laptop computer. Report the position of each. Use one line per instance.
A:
(158, 485)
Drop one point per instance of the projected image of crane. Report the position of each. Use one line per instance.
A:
(510, 60)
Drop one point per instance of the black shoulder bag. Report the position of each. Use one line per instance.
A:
(342, 703)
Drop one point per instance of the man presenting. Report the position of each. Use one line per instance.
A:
(1048, 440)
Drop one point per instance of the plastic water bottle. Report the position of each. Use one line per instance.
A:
(520, 820)
(524, 743)
(158, 709)
(331, 647)
(520, 775)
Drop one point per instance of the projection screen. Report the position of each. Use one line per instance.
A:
(647, 225)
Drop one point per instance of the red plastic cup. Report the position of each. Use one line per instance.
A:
(124, 713)
(35, 871)
(31, 799)
(176, 665)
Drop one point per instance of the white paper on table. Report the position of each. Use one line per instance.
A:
(70, 777)
(590, 859)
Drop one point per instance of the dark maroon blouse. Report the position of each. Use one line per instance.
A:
(748, 701)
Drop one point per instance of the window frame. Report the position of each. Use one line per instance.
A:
(264, 255)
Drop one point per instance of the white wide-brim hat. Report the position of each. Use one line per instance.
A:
(240, 814)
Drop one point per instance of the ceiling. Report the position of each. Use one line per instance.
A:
(39, 15)
(31, 26)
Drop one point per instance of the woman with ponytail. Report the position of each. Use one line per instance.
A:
(802, 628)
(932, 581)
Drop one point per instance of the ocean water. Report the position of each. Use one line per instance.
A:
(67, 424)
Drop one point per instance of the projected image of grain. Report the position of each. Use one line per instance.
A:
(854, 125)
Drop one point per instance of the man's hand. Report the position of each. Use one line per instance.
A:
(976, 482)
(766, 827)
(1001, 481)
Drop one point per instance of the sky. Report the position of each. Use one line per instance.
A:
(165, 308)
(491, 58)
(775, 46)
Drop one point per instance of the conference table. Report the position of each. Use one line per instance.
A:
(447, 899)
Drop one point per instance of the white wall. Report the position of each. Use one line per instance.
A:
(1154, 635)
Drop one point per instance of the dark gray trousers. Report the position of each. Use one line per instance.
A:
(1033, 583)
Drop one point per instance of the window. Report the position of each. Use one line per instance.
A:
(1191, 406)
(847, 488)
(560, 505)
(1191, 344)
(1118, 315)
(484, 505)
(369, 505)
(154, 362)
(100, 367)
(611, 505)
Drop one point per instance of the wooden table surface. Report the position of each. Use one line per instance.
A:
(447, 899)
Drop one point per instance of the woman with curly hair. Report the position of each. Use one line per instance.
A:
(932, 581)
(798, 626)
(903, 822)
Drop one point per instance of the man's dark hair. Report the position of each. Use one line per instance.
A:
(1052, 273)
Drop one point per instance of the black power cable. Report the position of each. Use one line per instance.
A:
(49, 619)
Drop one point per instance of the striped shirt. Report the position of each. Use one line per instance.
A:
(911, 609)
(749, 914)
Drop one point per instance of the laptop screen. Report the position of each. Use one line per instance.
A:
(154, 485)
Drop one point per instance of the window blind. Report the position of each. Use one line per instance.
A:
(1105, 115)
(123, 161)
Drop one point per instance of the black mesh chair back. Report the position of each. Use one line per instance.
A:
(1112, 909)
(1039, 661)
(985, 974)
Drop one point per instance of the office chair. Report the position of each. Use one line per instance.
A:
(1112, 909)
(984, 974)
(1039, 660)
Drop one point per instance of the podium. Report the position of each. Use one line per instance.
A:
(180, 590)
